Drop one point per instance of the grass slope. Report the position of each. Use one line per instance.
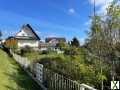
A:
(12, 77)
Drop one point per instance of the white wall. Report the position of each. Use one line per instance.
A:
(30, 43)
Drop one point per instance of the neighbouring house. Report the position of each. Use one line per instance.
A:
(54, 40)
(46, 46)
(27, 37)
(50, 43)
(11, 42)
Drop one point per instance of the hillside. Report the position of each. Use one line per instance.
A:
(12, 77)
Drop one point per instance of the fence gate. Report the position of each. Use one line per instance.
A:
(38, 71)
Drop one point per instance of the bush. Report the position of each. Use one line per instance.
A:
(17, 51)
(45, 52)
(72, 51)
(26, 49)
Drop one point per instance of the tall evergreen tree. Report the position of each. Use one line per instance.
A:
(75, 42)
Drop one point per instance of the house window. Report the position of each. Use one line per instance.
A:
(23, 34)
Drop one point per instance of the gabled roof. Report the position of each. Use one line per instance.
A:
(30, 28)
(10, 37)
(55, 38)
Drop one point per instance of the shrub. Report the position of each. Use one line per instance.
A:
(26, 49)
(72, 51)
(45, 52)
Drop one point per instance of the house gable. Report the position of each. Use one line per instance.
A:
(27, 33)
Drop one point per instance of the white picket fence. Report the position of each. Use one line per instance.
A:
(38, 70)
(56, 81)
(41, 74)
(24, 62)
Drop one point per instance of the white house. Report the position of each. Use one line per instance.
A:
(55, 40)
(27, 37)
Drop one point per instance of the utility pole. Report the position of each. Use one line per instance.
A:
(94, 8)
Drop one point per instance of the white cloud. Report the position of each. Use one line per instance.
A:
(100, 2)
(102, 9)
(71, 11)
(101, 5)
(88, 23)
(38, 32)
(82, 41)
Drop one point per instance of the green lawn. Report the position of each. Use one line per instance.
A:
(12, 77)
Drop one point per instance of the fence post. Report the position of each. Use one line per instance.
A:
(82, 88)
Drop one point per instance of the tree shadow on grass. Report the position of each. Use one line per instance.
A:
(23, 81)
(10, 88)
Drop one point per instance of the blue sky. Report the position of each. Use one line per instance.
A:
(62, 18)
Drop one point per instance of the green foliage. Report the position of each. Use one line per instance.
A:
(105, 33)
(103, 43)
(73, 67)
(72, 51)
(73, 64)
(61, 45)
(25, 49)
(14, 47)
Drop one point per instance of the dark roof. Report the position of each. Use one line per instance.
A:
(30, 28)
(10, 37)
(25, 38)
(56, 38)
